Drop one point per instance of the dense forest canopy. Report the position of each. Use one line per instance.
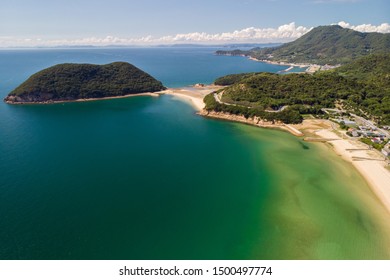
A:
(362, 86)
(82, 81)
(323, 45)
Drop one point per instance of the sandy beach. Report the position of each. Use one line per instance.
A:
(370, 163)
(194, 95)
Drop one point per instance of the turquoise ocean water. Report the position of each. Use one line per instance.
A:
(146, 178)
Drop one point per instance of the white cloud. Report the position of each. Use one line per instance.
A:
(382, 28)
(283, 33)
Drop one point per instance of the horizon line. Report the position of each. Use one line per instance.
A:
(251, 35)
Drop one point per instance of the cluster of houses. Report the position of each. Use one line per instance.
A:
(360, 127)
(314, 67)
(375, 136)
(367, 132)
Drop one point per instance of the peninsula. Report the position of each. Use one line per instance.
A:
(322, 45)
(82, 82)
(361, 87)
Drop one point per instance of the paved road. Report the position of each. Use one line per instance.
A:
(371, 125)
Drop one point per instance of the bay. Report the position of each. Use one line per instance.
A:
(146, 178)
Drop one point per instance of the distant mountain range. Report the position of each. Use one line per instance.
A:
(322, 45)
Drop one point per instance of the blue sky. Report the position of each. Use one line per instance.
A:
(62, 20)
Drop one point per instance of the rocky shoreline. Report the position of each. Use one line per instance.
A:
(251, 121)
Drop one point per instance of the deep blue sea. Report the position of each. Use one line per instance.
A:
(175, 67)
(147, 178)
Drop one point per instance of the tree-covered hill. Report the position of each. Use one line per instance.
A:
(373, 74)
(268, 90)
(323, 45)
(233, 78)
(361, 86)
(370, 69)
(69, 81)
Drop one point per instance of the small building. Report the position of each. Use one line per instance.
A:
(386, 151)
(355, 133)
(350, 123)
(376, 140)
(346, 122)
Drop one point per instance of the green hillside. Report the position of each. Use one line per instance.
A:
(362, 86)
(233, 78)
(370, 69)
(323, 45)
(68, 81)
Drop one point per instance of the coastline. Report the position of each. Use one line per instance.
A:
(154, 94)
(282, 63)
(193, 94)
(310, 67)
(301, 65)
(369, 163)
(255, 122)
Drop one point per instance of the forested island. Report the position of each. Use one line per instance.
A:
(69, 82)
(361, 87)
(322, 45)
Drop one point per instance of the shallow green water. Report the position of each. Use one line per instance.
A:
(318, 206)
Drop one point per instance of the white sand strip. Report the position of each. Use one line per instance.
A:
(369, 163)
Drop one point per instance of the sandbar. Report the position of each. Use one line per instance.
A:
(193, 94)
